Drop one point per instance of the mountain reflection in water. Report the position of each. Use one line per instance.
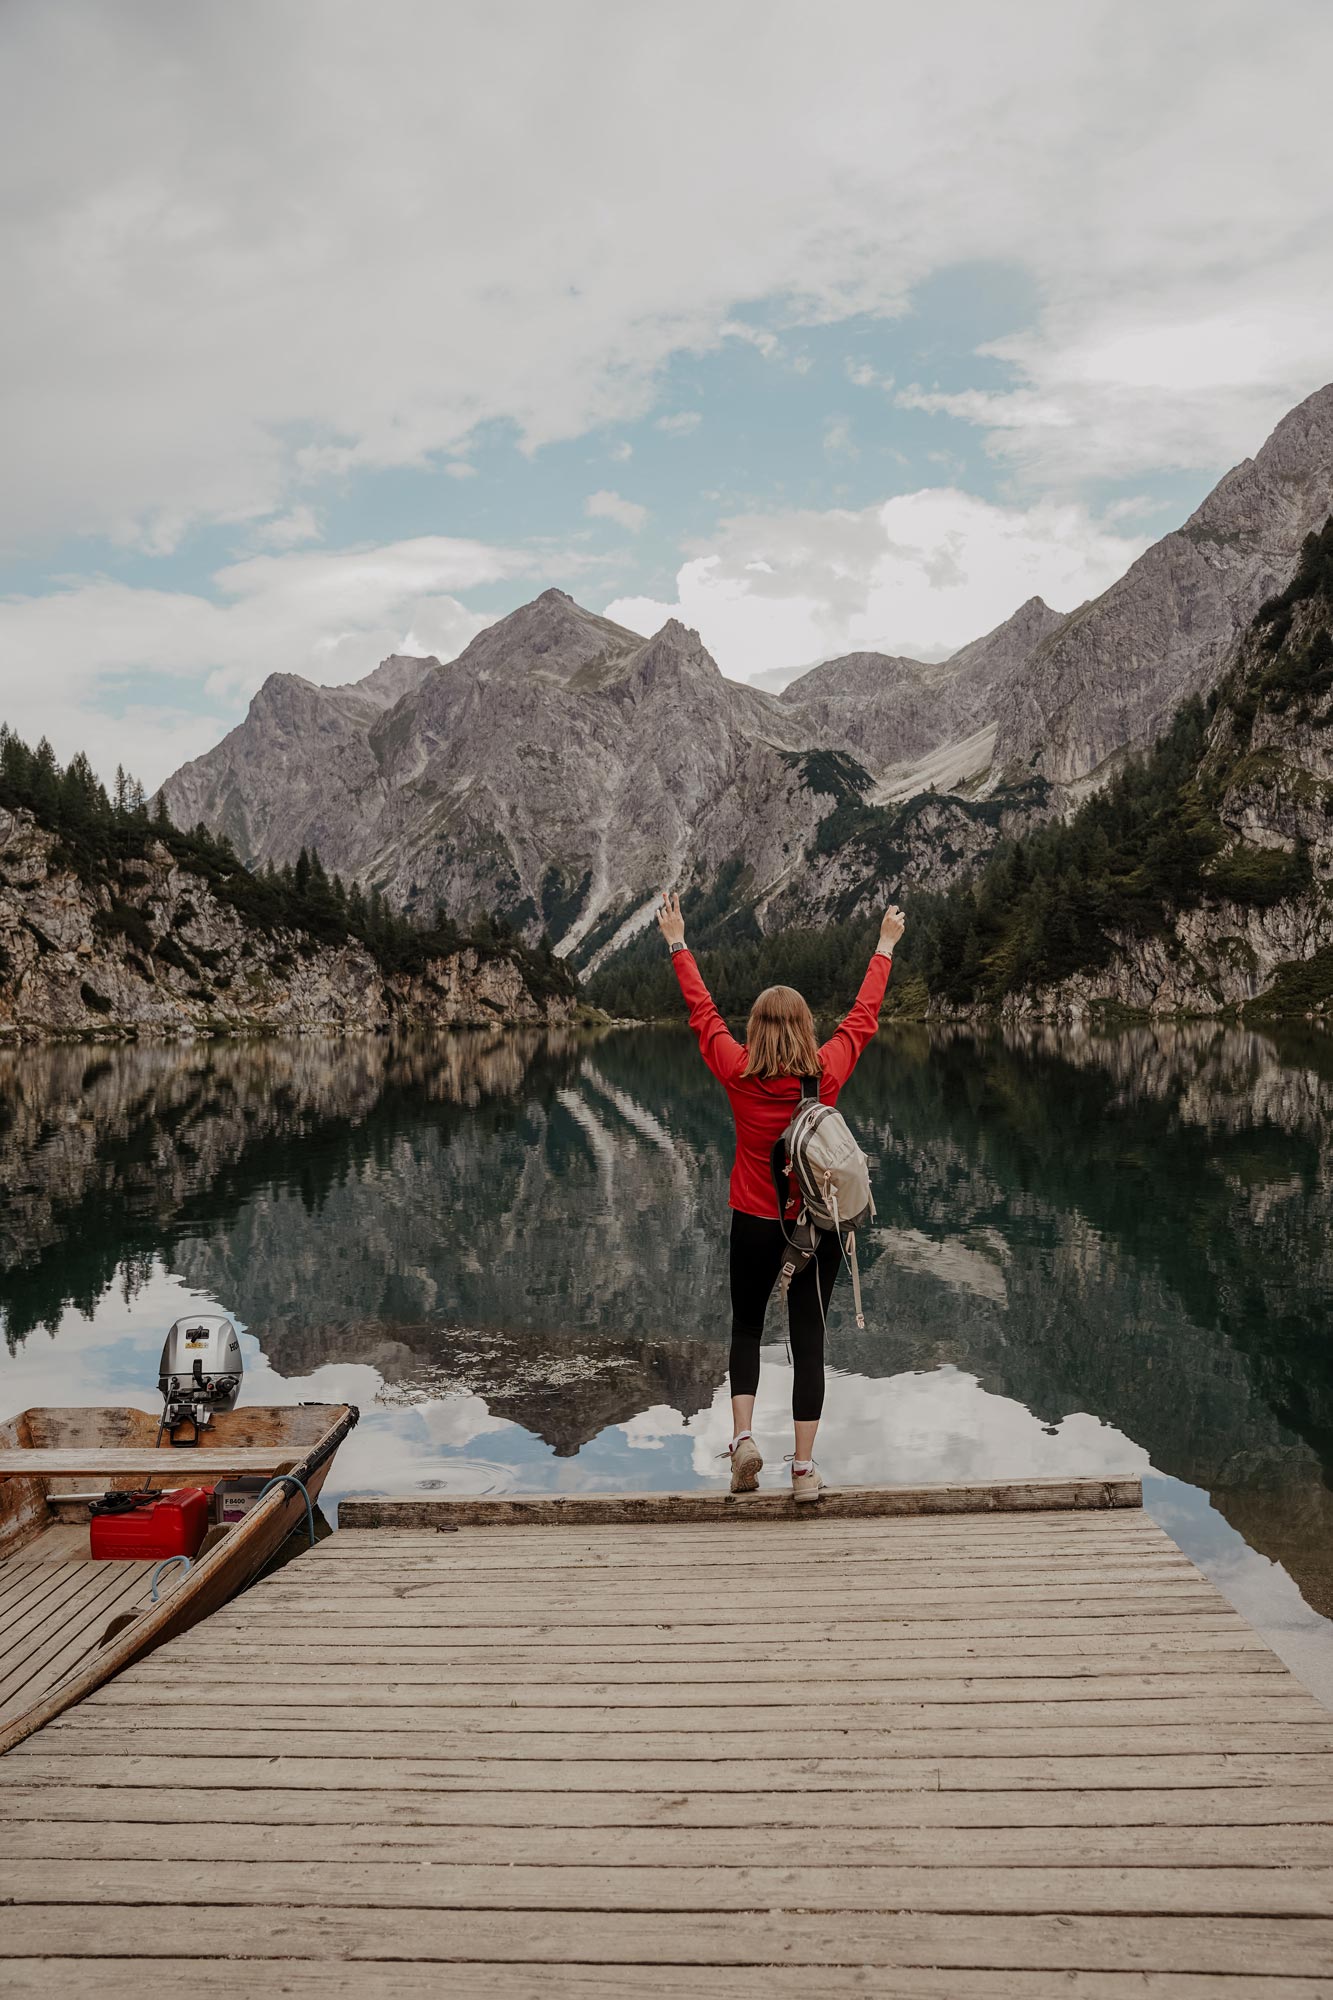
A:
(1093, 1253)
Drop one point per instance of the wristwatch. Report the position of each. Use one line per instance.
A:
(677, 947)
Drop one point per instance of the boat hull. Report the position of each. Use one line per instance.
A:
(28, 1506)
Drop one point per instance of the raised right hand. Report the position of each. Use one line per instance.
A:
(669, 919)
(892, 927)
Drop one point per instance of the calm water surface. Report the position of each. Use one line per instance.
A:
(1093, 1255)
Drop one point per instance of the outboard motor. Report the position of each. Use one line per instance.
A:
(200, 1372)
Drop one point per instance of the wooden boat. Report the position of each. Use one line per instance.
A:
(69, 1622)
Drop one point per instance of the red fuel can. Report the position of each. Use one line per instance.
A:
(174, 1524)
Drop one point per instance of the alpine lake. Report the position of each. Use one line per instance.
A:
(1093, 1254)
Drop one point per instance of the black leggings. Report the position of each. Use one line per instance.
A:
(757, 1243)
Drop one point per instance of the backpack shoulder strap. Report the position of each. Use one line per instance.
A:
(778, 1156)
(777, 1161)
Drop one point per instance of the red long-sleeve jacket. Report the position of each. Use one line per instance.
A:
(763, 1108)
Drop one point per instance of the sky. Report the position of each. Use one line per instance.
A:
(333, 331)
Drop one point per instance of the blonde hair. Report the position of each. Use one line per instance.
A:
(780, 1036)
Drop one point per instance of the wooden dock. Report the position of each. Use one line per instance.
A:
(55, 1608)
(1009, 1750)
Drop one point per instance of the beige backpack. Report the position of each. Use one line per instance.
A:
(832, 1177)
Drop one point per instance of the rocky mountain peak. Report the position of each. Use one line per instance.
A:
(1109, 678)
(550, 636)
(987, 663)
(893, 713)
(393, 677)
(283, 699)
(292, 703)
(1277, 484)
(675, 654)
(1032, 621)
(854, 676)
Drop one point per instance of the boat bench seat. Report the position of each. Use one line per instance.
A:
(113, 1461)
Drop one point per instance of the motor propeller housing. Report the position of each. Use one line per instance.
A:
(199, 1373)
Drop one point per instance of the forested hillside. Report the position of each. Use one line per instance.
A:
(110, 915)
(1197, 879)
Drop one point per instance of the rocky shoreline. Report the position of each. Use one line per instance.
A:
(158, 956)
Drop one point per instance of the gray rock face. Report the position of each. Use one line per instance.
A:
(563, 769)
(984, 669)
(177, 961)
(392, 678)
(1275, 774)
(299, 744)
(1110, 677)
(554, 637)
(891, 711)
(882, 709)
(859, 677)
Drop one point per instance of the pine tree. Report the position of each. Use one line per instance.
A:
(44, 782)
(78, 800)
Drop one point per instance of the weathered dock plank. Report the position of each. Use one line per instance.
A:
(361, 1979)
(557, 1884)
(708, 1939)
(681, 1686)
(531, 1510)
(250, 1796)
(98, 1839)
(1011, 1752)
(373, 1770)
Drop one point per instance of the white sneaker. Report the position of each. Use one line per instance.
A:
(805, 1485)
(746, 1464)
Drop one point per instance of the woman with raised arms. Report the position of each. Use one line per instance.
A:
(762, 1079)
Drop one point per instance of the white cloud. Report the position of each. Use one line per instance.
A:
(458, 468)
(288, 531)
(622, 452)
(203, 326)
(757, 337)
(607, 506)
(681, 424)
(331, 615)
(838, 441)
(1150, 383)
(920, 574)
